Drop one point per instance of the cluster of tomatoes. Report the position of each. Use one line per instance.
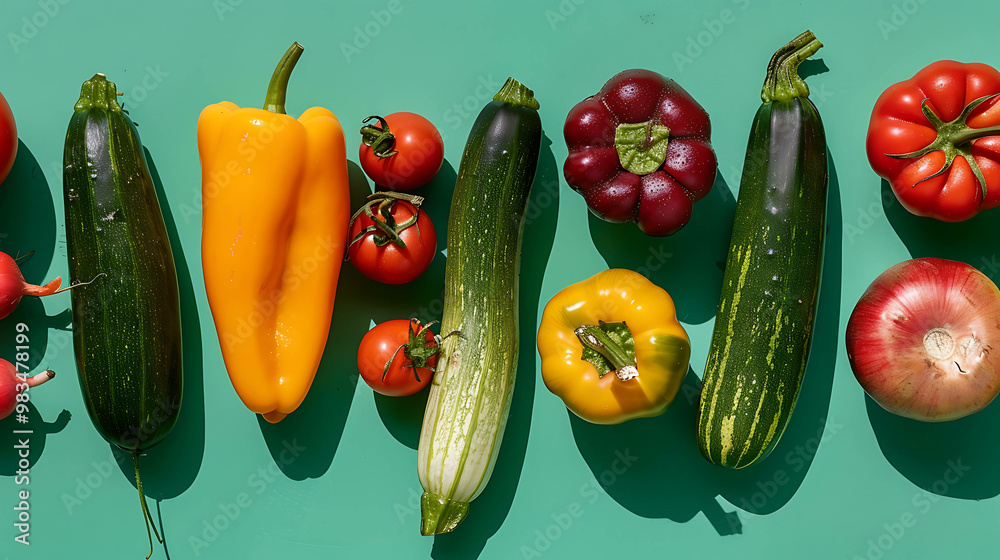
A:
(393, 241)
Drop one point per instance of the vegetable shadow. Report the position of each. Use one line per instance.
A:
(631, 460)
(170, 467)
(488, 512)
(422, 299)
(318, 424)
(687, 264)
(931, 454)
(29, 224)
(40, 429)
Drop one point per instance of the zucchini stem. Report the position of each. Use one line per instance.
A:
(516, 93)
(147, 517)
(783, 82)
(276, 90)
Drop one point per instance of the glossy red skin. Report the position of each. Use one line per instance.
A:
(377, 348)
(898, 126)
(8, 139)
(661, 202)
(419, 158)
(391, 264)
(885, 339)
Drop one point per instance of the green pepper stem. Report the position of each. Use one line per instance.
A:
(516, 93)
(783, 82)
(594, 337)
(276, 90)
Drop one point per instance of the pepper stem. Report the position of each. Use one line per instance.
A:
(516, 93)
(275, 100)
(783, 82)
(147, 517)
(614, 349)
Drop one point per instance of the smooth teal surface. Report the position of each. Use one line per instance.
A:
(338, 480)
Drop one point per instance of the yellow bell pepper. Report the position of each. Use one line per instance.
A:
(276, 208)
(612, 348)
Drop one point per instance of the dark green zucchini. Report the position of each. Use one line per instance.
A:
(472, 388)
(764, 326)
(126, 324)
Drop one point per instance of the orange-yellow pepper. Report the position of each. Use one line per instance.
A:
(612, 348)
(276, 208)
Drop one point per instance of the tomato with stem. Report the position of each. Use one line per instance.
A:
(392, 240)
(401, 151)
(397, 358)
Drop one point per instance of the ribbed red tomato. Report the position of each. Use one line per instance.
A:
(936, 139)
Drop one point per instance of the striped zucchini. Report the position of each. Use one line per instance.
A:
(126, 324)
(762, 333)
(471, 391)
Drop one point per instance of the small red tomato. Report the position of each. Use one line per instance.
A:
(403, 152)
(392, 241)
(397, 358)
(8, 139)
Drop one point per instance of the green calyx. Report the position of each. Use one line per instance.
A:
(610, 347)
(379, 211)
(642, 147)
(417, 351)
(783, 82)
(277, 88)
(439, 514)
(378, 138)
(516, 93)
(955, 138)
(98, 92)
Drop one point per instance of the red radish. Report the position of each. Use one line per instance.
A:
(921, 340)
(13, 286)
(9, 381)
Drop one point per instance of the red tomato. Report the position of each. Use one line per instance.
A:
(929, 135)
(393, 242)
(403, 152)
(8, 139)
(397, 358)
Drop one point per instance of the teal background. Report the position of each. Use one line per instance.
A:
(847, 480)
